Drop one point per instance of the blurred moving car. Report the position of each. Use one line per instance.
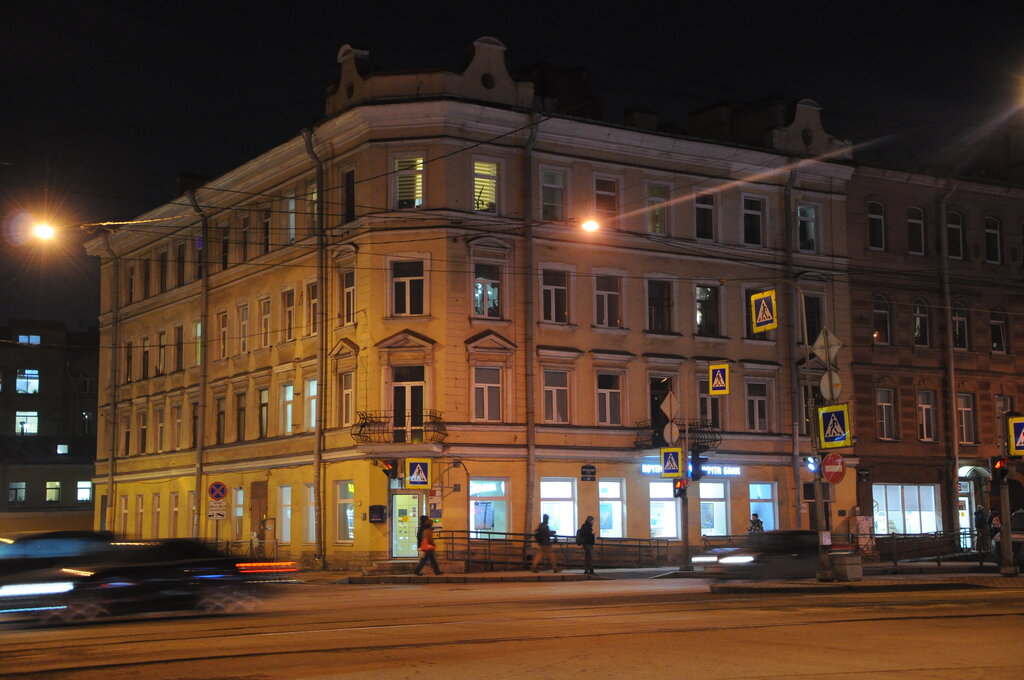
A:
(134, 577)
(38, 550)
(789, 553)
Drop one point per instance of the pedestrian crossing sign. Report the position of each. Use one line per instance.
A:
(1016, 434)
(718, 379)
(671, 462)
(834, 426)
(417, 473)
(763, 312)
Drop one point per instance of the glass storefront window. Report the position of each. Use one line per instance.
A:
(713, 516)
(345, 492)
(488, 506)
(762, 502)
(905, 509)
(664, 511)
(558, 501)
(611, 521)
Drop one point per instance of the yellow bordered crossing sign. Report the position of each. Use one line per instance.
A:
(672, 462)
(763, 312)
(718, 379)
(834, 426)
(417, 473)
(1015, 434)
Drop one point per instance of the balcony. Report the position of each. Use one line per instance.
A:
(702, 435)
(399, 427)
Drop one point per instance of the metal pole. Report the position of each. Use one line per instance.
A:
(115, 353)
(204, 330)
(528, 333)
(1006, 566)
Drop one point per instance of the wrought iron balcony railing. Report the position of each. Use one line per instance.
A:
(696, 434)
(399, 427)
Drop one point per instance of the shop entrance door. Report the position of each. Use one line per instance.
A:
(405, 515)
(966, 525)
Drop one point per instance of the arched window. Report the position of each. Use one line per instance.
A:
(997, 326)
(880, 318)
(961, 329)
(876, 225)
(922, 324)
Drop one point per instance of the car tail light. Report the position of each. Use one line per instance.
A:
(266, 567)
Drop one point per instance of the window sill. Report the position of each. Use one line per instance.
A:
(610, 329)
(712, 338)
(557, 324)
(478, 320)
(667, 333)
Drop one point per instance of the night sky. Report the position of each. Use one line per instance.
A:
(103, 103)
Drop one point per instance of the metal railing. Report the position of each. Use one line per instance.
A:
(699, 432)
(399, 427)
(500, 551)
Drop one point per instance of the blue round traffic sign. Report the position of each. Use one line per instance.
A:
(218, 490)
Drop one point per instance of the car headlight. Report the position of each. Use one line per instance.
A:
(23, 589)
(703, 559)
(737, 559)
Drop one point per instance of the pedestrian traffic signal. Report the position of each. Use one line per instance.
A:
(812, 463)
(697, 462)
(390, 467)
(1001, 467)
(679, 488)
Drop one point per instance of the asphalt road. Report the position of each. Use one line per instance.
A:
(666, 628)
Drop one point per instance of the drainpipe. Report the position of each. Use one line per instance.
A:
(115, 355)
(204, 342)
(529, 340)
(947, 301)
(792, 290)
(321, 351)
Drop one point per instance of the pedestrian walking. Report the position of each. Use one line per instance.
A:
(425, 541)
(542, 537)
(981, 525)
(585, 537)
(756, 525)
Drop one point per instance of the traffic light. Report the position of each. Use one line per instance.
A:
(679, 488)
(696, 464)
(1001, 467)
(390, 467)
(812, 463)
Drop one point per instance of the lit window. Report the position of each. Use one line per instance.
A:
(664, 511)
(486, 290)
(27, 381)
(762, 503)
(84, 492)
(611, 495)
(26, 422)
(906, 509)
(408, 174)
(53, 492)
(488, 507)
(310, 410)
(880, 321)
(485, 187)
(558, 502)
(707, 311)
(284, 514)
(345, 516)
(62, 449)
(286, 405)
(713, 514)
(807, 228)
(28, 339)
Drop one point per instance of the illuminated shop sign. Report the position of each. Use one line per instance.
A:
(709, 470)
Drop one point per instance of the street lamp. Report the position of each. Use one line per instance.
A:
(43, 231)
(590, 225)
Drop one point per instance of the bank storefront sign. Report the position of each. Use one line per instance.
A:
(709, 470)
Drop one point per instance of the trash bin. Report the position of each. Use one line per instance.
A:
(847, 568)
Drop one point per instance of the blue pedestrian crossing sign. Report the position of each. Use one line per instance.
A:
(834, 426)
(718, 379)
(417, 473)
(1016, 434)
(763, 312)
(671, 462)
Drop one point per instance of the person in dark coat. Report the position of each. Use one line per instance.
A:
(425, 541)
(585, 537)
(542, 537)
(981, 525)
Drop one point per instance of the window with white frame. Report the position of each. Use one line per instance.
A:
(926, 415)
(16, 492)
(965, 421)
(266, 218)
(264, 421)
(807, 228)
(487, 290)
(997, 331)
(284, 514)
(172, 514)
(955, 235)
(606, 201)
(555, 295)
(558, 502)
(286, 405)
(487, 393)
(704, 216)
(240, 419)
(53, 492)
(345, 511)
(348, 297)
(754, 208)
(289, 208)
(915, 231)
(238, 513)
(309, 514)
(154, 516)
(885, 413)
(993, 241)
(552, 196)
(144, 363)
(407, 287)
(485, 186)
(140, 512)
(309, 411)
(757, 406)
(197, 335)
(288, 315)
(710, 404)
(657, 208)
(763, 503)
(876, 225)
(607, 301)
(347, 398)
(26, 422)
(222, 338)
(488, 507)
(609, 399)
(664, 510)
(880, 320)
(906, 508)
(611, 495)
(961, 327)
(714, 515)
(707, 310)
(659, 306)
(27, 381)
(312, 308)
(408, 182)
(243, 328)
(83, 491)
(922, 324)
(122, 511)
(556, 396)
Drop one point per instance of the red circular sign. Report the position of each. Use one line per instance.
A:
(833, 468)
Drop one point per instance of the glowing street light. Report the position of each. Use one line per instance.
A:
(43, 231)
(590, 225)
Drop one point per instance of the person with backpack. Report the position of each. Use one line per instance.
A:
(585, 537)
(542, 537)
(425, 541)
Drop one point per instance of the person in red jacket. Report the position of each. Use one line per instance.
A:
(425, 540)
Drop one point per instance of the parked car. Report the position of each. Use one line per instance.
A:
(39, 550)
(1016, 539)
(773, 554)
(134, 577)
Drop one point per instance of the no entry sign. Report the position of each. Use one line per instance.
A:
(833, 468)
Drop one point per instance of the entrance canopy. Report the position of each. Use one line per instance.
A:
(973, 472)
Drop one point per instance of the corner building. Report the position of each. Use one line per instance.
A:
(452, 310)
